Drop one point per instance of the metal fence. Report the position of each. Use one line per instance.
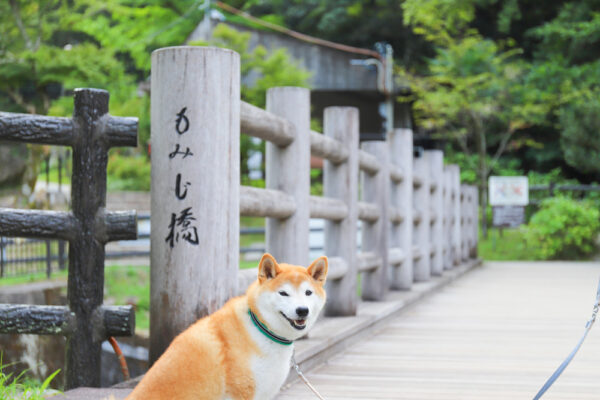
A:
(23, 257)
(19, 257)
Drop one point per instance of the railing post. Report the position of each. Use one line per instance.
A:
(340, 181)
(288, 170)
(422, 237)
(375, 235)
(436, 168)
(400, 143)
(86, 254)
(475, 223)
(448, 218)
(455, 230)
(465, 217)
(195, 127)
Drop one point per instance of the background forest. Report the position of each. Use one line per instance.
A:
(510, 86)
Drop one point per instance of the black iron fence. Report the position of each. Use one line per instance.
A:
(21, 256)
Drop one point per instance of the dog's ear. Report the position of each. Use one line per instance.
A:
(267, 268)
(318, 270)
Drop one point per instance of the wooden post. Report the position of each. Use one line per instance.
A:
(288, 170)
(340, 181)
(436, 169)
(475, 224)
(86, 253)
(455, 229)
(421, 197)
(448, 218)
(195, 187)
(400, 143)
(464, 222)
(375, 235)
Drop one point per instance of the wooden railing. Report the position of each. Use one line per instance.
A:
(86, 322)
(416, 217)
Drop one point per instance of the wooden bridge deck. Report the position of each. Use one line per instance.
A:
(496, 333)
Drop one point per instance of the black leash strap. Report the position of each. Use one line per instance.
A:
(566, 362)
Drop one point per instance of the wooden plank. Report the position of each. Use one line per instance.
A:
(465, 343)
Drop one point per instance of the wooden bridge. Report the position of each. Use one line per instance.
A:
(496, 332)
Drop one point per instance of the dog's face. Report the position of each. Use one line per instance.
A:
(288, 298)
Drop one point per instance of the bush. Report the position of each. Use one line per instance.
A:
(128, 172)
(564, 229)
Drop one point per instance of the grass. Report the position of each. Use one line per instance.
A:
(131, 285)
(508, 245)
(22, 387)
(18, 280)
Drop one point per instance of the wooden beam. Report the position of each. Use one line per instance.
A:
(264, 125)
(41, 224)
(328, 148)
(257, 202)
(59, 320)
(38, 129)
(327, 208)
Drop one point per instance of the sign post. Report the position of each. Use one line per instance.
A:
(508, 197)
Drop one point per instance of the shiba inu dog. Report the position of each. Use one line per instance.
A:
(243, 350)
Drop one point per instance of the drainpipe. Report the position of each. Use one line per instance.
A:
(385, 81)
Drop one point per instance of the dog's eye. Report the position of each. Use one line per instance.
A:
(283, 293)
(308, 293)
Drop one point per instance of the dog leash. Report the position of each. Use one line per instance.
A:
(303, 378)
(565, 363)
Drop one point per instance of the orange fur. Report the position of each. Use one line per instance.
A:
(212, 358)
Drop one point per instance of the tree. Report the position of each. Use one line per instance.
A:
(269, 69)
(476, 91)
(580, 137)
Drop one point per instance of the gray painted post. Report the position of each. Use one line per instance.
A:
(436, 170)
(465, 217)
(375, 235)
(401, 154)
(475, 224)
(195, 197)
(422, 238)
(455, 229)
(448, 218)
(341, 182)
(288, 170)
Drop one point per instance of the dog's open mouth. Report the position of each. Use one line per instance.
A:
(296, 323)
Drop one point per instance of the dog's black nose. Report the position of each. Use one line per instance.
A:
(302, 311)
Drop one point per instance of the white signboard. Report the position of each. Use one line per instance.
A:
(509, 190)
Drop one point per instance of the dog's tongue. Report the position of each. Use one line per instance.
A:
(300, 321)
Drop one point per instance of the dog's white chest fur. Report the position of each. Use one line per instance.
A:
(271, 367)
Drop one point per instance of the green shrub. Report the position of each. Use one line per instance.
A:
(128, 172)
(564, 229)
